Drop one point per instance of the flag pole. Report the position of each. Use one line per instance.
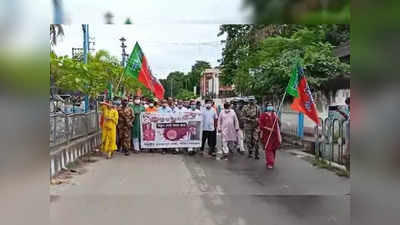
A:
(273, 126)
(276, 118)
(122, 75)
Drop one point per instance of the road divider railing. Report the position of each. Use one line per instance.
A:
(71, 137)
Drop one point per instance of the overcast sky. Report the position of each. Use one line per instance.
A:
(168, 47)
(155, 11)
(172, 33)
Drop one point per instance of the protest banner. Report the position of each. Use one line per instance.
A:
(171, 130)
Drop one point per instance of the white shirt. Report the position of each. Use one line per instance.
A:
(180, 110)
(209, 115)
(195, 110)
(164, 110)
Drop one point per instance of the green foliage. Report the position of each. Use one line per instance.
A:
(92, 78)
(193, 77)
(182, 84)
(260, 64)
(184, 94)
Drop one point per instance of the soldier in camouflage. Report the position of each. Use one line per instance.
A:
(249, 115)
(125, 120)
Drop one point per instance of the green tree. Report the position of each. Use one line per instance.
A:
(92, 78)
(195, 74)
(257, 59)
(177, 81)
(185, 95)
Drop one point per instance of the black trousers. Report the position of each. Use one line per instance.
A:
(211, 138)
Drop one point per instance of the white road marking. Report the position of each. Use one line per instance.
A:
(200, 172)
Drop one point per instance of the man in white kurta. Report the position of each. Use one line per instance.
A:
(193, 108)
(228, 126)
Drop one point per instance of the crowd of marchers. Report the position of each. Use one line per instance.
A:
(242, 126)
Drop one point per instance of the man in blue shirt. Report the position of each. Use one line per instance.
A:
(164, 107)
(209, 132)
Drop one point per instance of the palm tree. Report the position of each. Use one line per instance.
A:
(56, 30)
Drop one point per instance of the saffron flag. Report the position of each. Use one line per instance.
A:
(298, 88)
(138, 67)
(158, 88)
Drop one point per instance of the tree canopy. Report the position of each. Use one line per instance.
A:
(183, 84)
(257, 59)
(94, 77)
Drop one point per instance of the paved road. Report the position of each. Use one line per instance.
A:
(182, 190)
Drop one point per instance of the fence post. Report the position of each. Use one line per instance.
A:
(67, 136)
(317, 144)
(332, 140)
(55, 129)
(97, 118)
(300, 127)
(342, 140)
(86, 119)
(71, 134)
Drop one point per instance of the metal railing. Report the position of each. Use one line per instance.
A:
(331, 137)
(332, 142)
(65, 128)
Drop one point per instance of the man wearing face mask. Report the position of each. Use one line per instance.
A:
(172, 106)
(228, 126)
(137, 109)
(198, 106)
(180, 108)
(209, 133)
(192, 108)
(164, 108)
(271, 131)
(240, 138)
(249, 115)
(151, 108)
(125, 120)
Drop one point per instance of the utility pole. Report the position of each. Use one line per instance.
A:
(85, 28)
(171, 88)
(58, 12)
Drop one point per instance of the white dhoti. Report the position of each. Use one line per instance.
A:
(241, 140)
(136, 145)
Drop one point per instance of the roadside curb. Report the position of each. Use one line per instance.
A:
(333, 164)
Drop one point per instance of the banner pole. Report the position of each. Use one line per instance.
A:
(273, 126)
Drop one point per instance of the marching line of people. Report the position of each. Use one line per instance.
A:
(242, 127)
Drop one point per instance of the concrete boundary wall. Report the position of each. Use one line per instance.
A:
(66, 154)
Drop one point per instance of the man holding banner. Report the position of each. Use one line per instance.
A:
(193, 132)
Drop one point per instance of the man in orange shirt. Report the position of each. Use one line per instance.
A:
(151, 108)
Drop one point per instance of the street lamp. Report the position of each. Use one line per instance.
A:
(124, 55)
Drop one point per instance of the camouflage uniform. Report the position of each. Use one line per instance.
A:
(125, 121)
(249, 115)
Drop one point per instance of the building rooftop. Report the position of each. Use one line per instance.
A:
(212, 71)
